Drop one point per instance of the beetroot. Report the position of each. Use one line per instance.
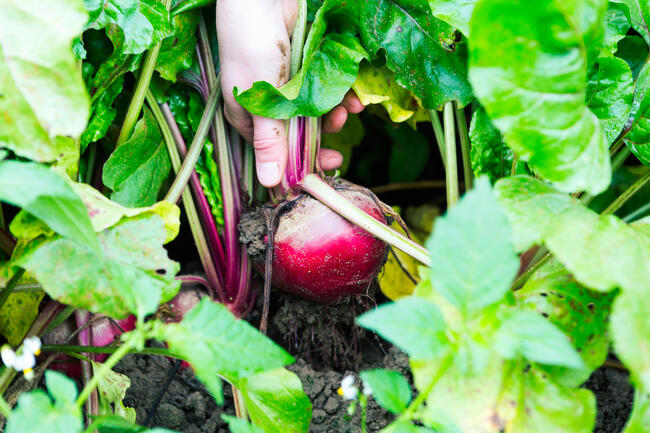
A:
(321, 256)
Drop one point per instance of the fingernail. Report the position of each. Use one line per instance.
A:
(268, 173)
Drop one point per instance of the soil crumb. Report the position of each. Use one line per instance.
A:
(252, 233)
(614, 398)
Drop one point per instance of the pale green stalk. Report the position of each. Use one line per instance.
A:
(451, 169)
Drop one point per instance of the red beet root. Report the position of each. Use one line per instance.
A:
(321, 256)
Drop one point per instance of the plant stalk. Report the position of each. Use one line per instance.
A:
(193, 154)
(324, 193)
(628, 193)
(439, 134)
(451, 168)
(463, 133)
(298, 38)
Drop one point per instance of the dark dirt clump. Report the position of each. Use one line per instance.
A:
(252, 232)
(614, 398)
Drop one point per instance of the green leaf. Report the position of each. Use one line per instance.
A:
(609, 94)
(489, 154)
(409, 154)
(208, 172)
(377, 85)
(116, 424)
(18, 314)
(276, 401)
(112, 389)
(407, 427)
(177, 51)
(617, 24)
(46, 195)
(630, 329)
(634, 50)
(238, 425)
(413, 324)
(462, 270)
(143, 22)
(582, 314)
(217, 344)
(640, 417)
(137, 170)
(639, 11)
(330, 65)
(528, 334)
(102, 114)
(180, 6)
(544, 406)
(454, 12)
(410, 39)
(131, 275)
(35, 411)
(43, 94)
(639, 134)
(389, 388)
(529, 204)
(617, 253)
(528, 63)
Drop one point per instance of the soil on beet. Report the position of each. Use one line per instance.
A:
(327, 346)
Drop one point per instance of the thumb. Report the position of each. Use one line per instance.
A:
(270, 143)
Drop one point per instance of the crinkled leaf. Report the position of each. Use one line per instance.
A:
(630, 329)
(136, 170)
(238, 425)
(531, 80)
(411, 40)
(408, 155)
(639, 11)
(461, 270)
(142, 22)
(131, 275)
(105, 213)
(217, 344)
(43, 94)
(276, 401)
(411, 323)
(528, 334)
(377, 85)
(36, 412)
(609, 94)
(208, 172)
(46, 195)
(582, 314)
(490, 156)
(177, 51)
(640, 417)
(617, 24)
(454, 12)
(529, 204)
(112, 389)
(389, 388)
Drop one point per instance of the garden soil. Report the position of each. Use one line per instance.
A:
(164, 395)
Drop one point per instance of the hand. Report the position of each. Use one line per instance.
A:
(254, 45)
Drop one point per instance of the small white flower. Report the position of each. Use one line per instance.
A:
(24, 359)
(33, 344)
(347, 389)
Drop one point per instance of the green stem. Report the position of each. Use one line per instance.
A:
(4, 407)
(9, 288)
(66, 348)
(421, 398)
(440, 136)
(188, 201)
(194, 152)
(298, 38)
(451, 169)
(628, 193)
(463, 133)
(103, 370)
(515, 160)
(324, 193)
(141, 87)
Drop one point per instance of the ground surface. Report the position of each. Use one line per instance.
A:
(185, 406)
